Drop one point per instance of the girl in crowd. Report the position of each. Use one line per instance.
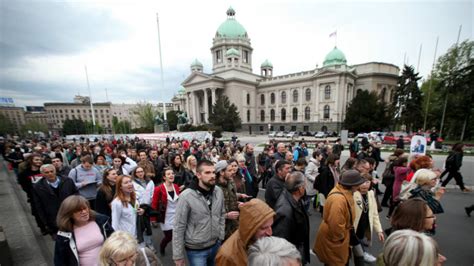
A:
(106, 192)
(123, 164)
(81, 233)
(182, 178)
(401, 171)
(100, 163)
(121, 249)
(388, 176)
(413, 214)
(144, 187)
(239, 181)
(191, 165)
(367, 217)
(311, 173)
(125, 207)
(165, 200)
(328, 178)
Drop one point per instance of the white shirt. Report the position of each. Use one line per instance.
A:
(124, 219)
(144, 194)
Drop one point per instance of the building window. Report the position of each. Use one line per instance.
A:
(327, 92)
(272, 98)
(295, 96)
(218, 56)
(248, 115)
(248, 98)
(283, 97)
(246, 56)
(326, 112)
(295, 114)
(306, 128)
(282, 128)
(272, 115)
(283, 114)
(262, 99)
(262, 115)
(261, 128)
(293, 128)
(308, 94)
(383, 93)
(307, 113)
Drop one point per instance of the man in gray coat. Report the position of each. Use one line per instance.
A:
(199, 223)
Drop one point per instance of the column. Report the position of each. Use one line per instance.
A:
(300, 108)
(193, 103)
(187, 104)
(213, 96)
(206, 107)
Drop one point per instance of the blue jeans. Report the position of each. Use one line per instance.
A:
(203, 257)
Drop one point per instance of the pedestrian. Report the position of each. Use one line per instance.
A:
(87, 179)
(144, 187)
(123, 164)
(427, 180)
(400, 143)
(100, 163)
(277, 183)
(338, 147)
(413, 214)
(273, 251)
(453, 165)
(158, 165)
(327, 179)
(199, 227)
(280, 154)
(388, 177)
(334, 234)
(81, 233)
(48, 194)
(251, 184)
(401, 171)
(165, 200)
(146, 165)
(182, 178)
(106, 192)
(291, 220)
(224, 174)
(61, 169)
(354, 148)
(256, 219)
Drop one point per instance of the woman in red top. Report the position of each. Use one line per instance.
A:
(165, 200)
(401, 171)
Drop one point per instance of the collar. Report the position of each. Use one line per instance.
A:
(54, 184)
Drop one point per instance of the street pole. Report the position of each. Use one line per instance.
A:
(419, 58)
(90, 98)
(161, 71)
(431, 83)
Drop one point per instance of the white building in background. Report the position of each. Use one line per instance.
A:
(310, 100)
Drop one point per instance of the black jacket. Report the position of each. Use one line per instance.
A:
(159, 164)
(65, 250)
(102, 204)
(274, 188)
(292, 223)
(325, 181)
(47, 202)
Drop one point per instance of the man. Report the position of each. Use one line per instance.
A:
(332, 239)
(354, 147)
(146, 165)
(250, 161)
(48, 194)
(273, 251)
(224, 177)
(277, 183)
(61, 169)
(418, 148)
(86, 178)
(158, 164)
(264, 162)
(338, 148)
(281, 152)
(165, 156)
(400, 143)
(300, 151)
(291, 221)
(199, 223)
(363, 167)
(256, 219)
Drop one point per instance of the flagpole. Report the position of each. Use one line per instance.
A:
(90, 98)
(419, 58)
(431, 83)
(161, 67)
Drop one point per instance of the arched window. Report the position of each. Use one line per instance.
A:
(248, 115)
(248, 98)
(326, 112)
(327, 92)
(272, 115)
(295, 96)
(283, 97)
(262, 115)
(307, 113)
(391, 95)
(272, 98)
(295, 113)
(262, 99)
(358, 91)
(383, 93)
(283, 114)
(308, 94)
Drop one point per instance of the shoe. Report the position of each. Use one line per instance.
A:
(466, 190)
(468, 211)
(369, 258)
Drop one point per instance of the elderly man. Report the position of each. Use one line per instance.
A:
(86, 178)
(281, 152)
(273, 251)
(48, 194)
(256, 219)
(291, 221)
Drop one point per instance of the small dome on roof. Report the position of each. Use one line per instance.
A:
(231, 28)
(181, 90)
(266, 63)
(232, 52)
(335, 57)
(196, 63)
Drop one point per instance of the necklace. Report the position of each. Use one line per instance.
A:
(365, 206)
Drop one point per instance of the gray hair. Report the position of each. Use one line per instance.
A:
(46, 166)
(295, 180)
(272, 251)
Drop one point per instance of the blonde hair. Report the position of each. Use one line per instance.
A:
(68, 207)
(423, 177)
(409, 248)
(119, 246)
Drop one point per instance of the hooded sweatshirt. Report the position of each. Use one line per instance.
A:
(252, 215)
(90, 177)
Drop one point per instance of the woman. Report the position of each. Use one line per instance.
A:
(144, 187)
(413, 214)
(453, 165)
(123, 164)
(100, 163)
(191, 164)
(106, 192)
(328, 178)
(420, 162)
(388, 176)
(311, 173)
(81, 233)
(250, 186)
(182, 178)
(239, 180)
(367, 218)
(125, 207)
(410, 248)
(349, 164)
(165, 200)
(426, 180)
(401, 171)
(121, 249)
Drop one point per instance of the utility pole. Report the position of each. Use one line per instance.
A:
(431, 84)
(90, 98)
(165, 122)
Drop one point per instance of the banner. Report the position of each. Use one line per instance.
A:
(197, 135)
(418, 145)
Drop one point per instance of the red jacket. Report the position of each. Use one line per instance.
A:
(160, 200)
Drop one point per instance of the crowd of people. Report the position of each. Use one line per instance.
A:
(100, 200)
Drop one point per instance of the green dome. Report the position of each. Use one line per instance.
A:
(266, 63)
(231, 28)
(232, 52)
(181, 90)
(335, 57)
(196, 63)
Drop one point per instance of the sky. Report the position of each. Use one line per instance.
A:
(45, 45)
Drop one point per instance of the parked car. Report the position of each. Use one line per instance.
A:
(292, 134)
(280, 134)
(363, 135)
(321, 134)
(307, 133)
(332, 134)
(392, 137)
(376, 135)
(272, 134)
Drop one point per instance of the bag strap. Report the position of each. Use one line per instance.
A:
(348, 205)
(145, 256)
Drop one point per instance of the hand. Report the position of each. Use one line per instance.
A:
(181, 188)
(179, 262)
(243, 196)
(83, 183)
(381, 237)
(140, 211)
(240, 204)
(233, 215)
(440, 192)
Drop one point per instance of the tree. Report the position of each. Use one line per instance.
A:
(146, 116)
(172, 118)
(90, 129)
(406, 106)
(120, 127)
(225, 115)
(366, 113)
(74, 127)
(6, 126)
(34, 126)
